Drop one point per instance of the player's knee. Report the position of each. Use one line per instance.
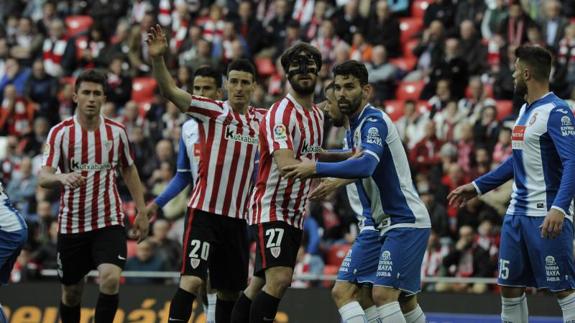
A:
(408, 303)
(72, 295)
(564, 293)
(384, 295)
(109, 282)
(228, 295)
(341, 294)
(192, 284)
(279, 279)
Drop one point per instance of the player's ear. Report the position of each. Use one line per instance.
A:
(219, 93)
(366, 90)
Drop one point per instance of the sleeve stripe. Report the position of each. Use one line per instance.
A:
(372, 154)
(204, 108)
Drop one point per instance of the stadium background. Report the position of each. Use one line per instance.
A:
(441, 68)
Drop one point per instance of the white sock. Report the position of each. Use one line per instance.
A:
(514, 310)
(415, 316)
(391, 313)
(568, 307)
(211, 312)
(352, 313)
(372, 314)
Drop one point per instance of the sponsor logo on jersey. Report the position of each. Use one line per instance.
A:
(373, 136)
(77, 166)
(552, 269)
(517, 137)
(307, 149)
(232, 135)
(385, 266)
(567, 128)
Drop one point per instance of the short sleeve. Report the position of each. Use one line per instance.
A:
(373, 134)
(183, 162)
(51, 151)
(203, 109)
(278, 129)
(125, 151)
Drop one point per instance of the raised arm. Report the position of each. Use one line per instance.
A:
(157, 47)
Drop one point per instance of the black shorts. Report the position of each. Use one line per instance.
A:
(277, 245)
(218, 243)
(78, 253)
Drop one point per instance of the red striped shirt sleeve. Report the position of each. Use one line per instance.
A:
(278, 131)
(203, 109)
(52, 150)
(125, 150)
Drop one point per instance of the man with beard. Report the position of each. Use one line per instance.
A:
(292, 129)
(386, 193)
(536, 241)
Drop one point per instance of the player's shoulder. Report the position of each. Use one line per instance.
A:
(283, 105)
(114, 124)
(258, 112)
(205, 100)
(68, 122)
(373, 114)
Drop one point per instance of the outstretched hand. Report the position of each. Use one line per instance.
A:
(304, 169)
(461, 195)
(157, 42)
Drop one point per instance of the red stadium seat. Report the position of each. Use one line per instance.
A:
(394, 108)
(418, 8)
(409, 27)
(78, 24)
(504, 108)
(423, 106)
(143, 89)
(132, 247)
(265, 66)
(408, 48)
(409, 90)
(404, 63)
(336, 254)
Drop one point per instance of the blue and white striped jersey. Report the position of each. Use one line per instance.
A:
(388, 197)
(543, 160)
(10, 219)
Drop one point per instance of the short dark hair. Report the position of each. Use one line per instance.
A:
(353, 68)
(92, 76)
(287, 56)
(208, 71)
(242, 65)
(538, 59)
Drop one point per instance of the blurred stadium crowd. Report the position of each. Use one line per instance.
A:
(441, 68)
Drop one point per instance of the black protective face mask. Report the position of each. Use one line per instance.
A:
(303, 62)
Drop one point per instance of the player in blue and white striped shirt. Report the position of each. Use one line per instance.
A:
(386, 192)
(13, 235)
(536, 241)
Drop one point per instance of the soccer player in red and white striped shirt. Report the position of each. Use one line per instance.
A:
(215, 237)
(88, 149)
(292, 129)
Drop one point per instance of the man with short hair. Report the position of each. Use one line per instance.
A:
(536, 242)
(88, 149)
(216, 234)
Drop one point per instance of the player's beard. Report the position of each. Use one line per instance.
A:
(520, 89)
(352, 106)
(299, 89)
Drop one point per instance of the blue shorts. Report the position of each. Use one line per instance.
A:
(360, 263)
(527, 260)
(10, 245)
(400, 259)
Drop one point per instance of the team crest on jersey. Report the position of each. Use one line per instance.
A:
(280, 132)
(275, 251)
(108, 145)
(373, 136)
(533, 119)
(567, 128)
(552, 269)
(195, 262)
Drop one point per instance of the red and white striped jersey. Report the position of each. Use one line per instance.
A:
(52, 54)
(287, 125)
(96, 155)
(228, 144)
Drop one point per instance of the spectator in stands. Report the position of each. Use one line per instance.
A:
(384, 29)
(473, 51)
(22, 187)
(553, 24)
(472, 105)
(137, 47)
(45, 256)
(432, 265)
(143, 148)
(429, 50)
(482, 161)
(119, 45)
(58, 52)
(32, 143)
(468, 259)
(471, 10)
(276, 27)
(327, 41)
(503, 147)
(492, 19)
(66, 105)
(4, 51)
(48, 15)
(15, 75)
(10, 160)
(16, 114)
(442, 96)
(311, 29)
(514, 27)
(119, 83)
(382, 75)
(410, 126)
(292, 36)
(167, 248)
(131, 118)
(223, 45)
(486, 129)
(26, 42)
(534, 37)
(146, 259)
(447, 121)
(360, 50)
(309, 259)
(347, 21)
(164, 152)
(465, 146)
(88, 48)
(503, 86)
(442, 10)
(566, 56)
(42, 89)
(172, 119)
(437, 211)
(176, 207)
(107, 13)
(425, 154)
(250, 28)
(452, 67)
